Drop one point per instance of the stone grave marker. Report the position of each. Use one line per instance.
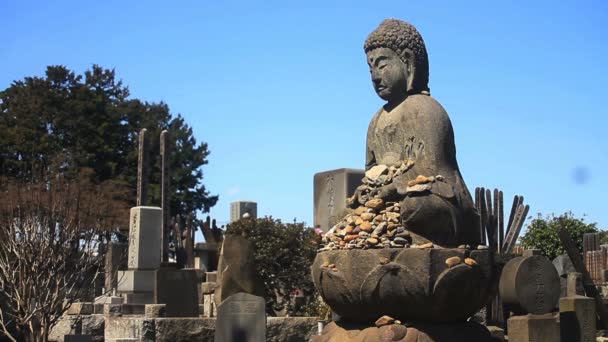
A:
(178, 289)
(241, 318)
(240, 208)
(530, 285)
(143, 260)
(331, 189)
(577, 314)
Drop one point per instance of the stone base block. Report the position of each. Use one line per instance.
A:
(155, 310)
(577, 319)
(532, 328)
(80, 309)
(136, 281)
(108, 300)
(139, 298)
(428, 332)
(77, 338)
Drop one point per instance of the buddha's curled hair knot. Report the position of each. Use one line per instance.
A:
(398, 36)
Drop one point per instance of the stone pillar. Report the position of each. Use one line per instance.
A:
(331, 189)
(533, 328)
(137, 283)
(577, 314)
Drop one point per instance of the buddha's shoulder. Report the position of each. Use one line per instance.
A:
(424, 105)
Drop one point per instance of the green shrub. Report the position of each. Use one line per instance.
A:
(542, 233)
(283, 255)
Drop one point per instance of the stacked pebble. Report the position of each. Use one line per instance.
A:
(375, 223)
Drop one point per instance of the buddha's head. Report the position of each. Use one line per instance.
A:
(397, 60)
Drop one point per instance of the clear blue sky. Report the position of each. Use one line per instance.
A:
(280, 90)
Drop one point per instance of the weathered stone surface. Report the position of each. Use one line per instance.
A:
(208, 288)
(91, 325)
(115, 260)
(415, 285)
(77, 338)
(530, 285)
(240, 208)
(236, 270)
(144, 242)
(430, 332)
(178, 290)
(241, 317)
(136, 281)
(290, 329)
(577, 319)
(155, 310)
(564, 266)
(331, 189)
(128, 327)
(376, 171)
(531, 328)
(80, 308)
(184, 329)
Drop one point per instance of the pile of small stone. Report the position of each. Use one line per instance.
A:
(375, 223)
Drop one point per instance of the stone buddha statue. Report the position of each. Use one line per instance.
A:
(413, 129)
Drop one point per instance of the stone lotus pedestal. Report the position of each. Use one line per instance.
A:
(414, 286)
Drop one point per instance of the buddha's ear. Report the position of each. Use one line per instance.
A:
(408, 56)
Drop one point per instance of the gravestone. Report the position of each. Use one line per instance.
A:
(331, 189)
(240, 208)
(564, 266)
(137, 283)
(178, 290)
(577, 314)
(529, 285)
(241, 318)
(236, 270)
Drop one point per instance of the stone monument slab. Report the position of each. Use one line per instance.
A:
(331, 189)
(240, 208)
(178, 290)
(144, 238)
(241, 317)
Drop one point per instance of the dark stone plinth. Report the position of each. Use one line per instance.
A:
(413, 285)
(431, 332)
(178, 289)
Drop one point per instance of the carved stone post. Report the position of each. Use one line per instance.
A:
(165, 150)
(142, 168)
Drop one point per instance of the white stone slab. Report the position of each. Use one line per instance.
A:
(145, 227)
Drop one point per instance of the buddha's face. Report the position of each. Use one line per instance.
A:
(389, 74)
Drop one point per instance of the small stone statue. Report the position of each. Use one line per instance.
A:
(412, 130)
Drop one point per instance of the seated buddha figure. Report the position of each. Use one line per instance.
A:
(413, 129)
